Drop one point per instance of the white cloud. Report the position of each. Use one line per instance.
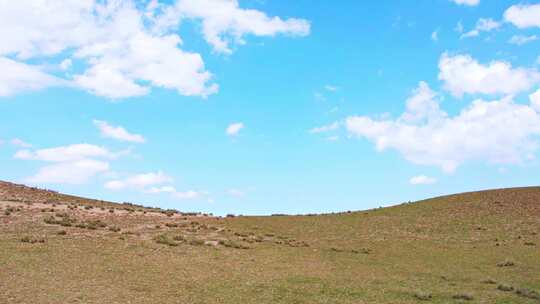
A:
(66, 153)
(494, 131)
(118, 132)
(319, 96)
(332, 138)
(236, 193)
(331, 127)
(467, 2)
(461, 74)
(103, 81)
(66, 64)
(224, 22)
(521, 39)
(435, 35)
(119, 68)
(188, 195)
(482, 25)
(234, 129)
(73, 164)
(459, 27)
(140, 181)
(331, 88)
(126, 49)
(523, 15)
(76, 172)
(422, 180)
(20, 143)
(163, 189)
(153, 183)
(535, 100)
(16, 77)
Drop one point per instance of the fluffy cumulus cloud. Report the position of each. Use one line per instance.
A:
(224, 22)
(499, 131)
(523, 15)
(65, 153)
(422, 180)
(76, 172)
(482, 25)
(234, 129)
(467, 2)
(73, 164)
(117, 132)
(18, 76)
(153, 183)
(462, 74)
(535, 100)
(126, 47)
(139, 181)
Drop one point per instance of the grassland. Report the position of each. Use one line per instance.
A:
(480, 247)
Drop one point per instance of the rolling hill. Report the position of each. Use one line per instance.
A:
(478, 247)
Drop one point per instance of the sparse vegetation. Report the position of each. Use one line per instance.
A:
(114, 228)
(379, 256)
(527, 293)
(463, 296)
(165, 240)
(504, 287)
(32, 240)
(506, 263)
(422, 296)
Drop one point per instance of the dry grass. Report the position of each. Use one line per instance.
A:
(445, 247)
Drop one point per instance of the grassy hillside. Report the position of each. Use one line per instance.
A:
(480, 247)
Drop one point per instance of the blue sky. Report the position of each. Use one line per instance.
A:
(267, 106)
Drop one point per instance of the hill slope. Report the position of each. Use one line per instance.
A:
(63, 249)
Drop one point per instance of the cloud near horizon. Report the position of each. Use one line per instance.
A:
(73, 164)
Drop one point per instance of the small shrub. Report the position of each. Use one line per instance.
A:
(66, 222)
(527, 293)
(530, 244)
(231, 244)
(111, 210)
(463, 296)
(27, 239)
(422, 296)
(171, 225)
(61, 232)
(7, 213)
(164, 240)
(179, 238)
(50, 220)
(196, 242)
(506, 263)
(489, 281)
(503, 287)
(114, 229)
